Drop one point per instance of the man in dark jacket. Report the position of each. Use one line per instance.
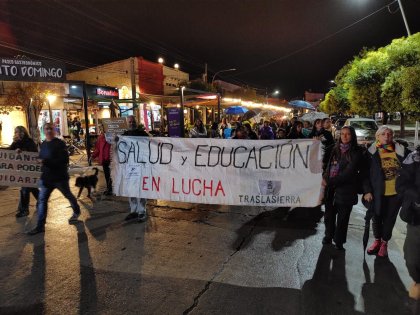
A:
(408, 185)
(22, 142)
(55, 159)
(137, 205)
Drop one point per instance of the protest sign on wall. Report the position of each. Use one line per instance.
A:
(20, 170)
(216, 171)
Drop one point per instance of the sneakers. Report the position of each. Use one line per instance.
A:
(36, 230)
(21, 214)
(374, 248)
(74, 217)
(131, 216)
(383, 251)
(414, 291)
(142, 217)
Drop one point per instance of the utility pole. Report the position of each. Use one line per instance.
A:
(181, 94)
(404, 18)
(87, 137)
(133, 86)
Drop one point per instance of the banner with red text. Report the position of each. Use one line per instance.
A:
(19, 169)
(218, 171)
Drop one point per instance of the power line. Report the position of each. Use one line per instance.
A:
(312, 44)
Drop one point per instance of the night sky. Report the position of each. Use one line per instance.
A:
(302, 35)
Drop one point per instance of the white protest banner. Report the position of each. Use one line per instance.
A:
(19, 169)
(218, 171)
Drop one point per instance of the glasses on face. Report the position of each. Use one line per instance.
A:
(48, 128)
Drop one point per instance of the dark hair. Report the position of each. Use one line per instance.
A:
(247, 126)
(200, 127)
(314, 130)
(353, 142)
(294, 134)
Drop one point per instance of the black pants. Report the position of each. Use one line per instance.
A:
(107, 173)
(336, 221)
(412, 252)
(383, 224)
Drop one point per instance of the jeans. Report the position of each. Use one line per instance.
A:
(137, 205)
(45, 193)
(336, 221)
(25, 194)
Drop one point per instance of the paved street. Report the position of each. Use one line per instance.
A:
(192, 259)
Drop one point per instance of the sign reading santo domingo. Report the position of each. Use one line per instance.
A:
(216, 171)
(31, 70)
(19, 169)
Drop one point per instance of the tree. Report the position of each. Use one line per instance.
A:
(336, 101)
(385, 79)
(30, 97)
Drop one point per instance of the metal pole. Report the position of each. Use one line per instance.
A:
(87, 137)
(218, 108)
(133, 84)
(404, 18)
(182, 113)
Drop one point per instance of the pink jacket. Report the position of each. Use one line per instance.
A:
(102, 150)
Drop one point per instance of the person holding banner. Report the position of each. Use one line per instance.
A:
(55, 159)
(22, 142)
(137, 205)
(342, 163)
(103, 154)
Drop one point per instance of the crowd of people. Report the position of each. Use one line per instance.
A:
(386, 174)
(266, 130)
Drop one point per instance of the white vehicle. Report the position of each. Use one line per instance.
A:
(365, 129)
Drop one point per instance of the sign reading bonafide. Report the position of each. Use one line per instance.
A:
(20, 170)
(216, 171)
(31, 70)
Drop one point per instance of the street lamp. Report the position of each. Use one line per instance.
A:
(160, 60)
(176, 66)
(226, 70)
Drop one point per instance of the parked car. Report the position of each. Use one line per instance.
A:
(365, 129)
(339, 123)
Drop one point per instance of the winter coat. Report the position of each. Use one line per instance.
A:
(324, 135)
(102, 150)
(26, 144)
(374, 182)
(408, 185)
(55, 160)
(343, 188)
(266, 133)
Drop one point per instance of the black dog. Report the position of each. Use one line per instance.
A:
(88, 182)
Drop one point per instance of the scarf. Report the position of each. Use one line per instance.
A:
(344, 147)
(385, 148)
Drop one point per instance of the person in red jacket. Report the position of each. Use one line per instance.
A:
(103, 154)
